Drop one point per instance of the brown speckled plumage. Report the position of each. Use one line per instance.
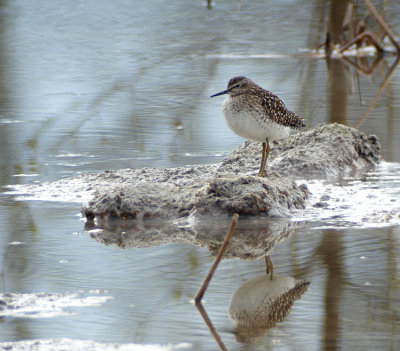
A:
(256, 114)
(272, 105)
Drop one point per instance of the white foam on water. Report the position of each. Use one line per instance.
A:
(44, 305)
(61, 344)
(370, 201)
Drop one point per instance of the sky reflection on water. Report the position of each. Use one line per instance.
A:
(102, 85)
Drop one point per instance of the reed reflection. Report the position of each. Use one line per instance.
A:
(331, 253)
(356, 45)
(340, 72)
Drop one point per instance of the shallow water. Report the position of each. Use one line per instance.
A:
(96, 85)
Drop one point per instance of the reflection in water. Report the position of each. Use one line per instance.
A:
(256, 305)
(340, 83)
(142, 102)
(346, 29)
(269, 267)
(210, 326)
(331, 252)
(260, 303)
(351, 42)
(254, 237)
(217, 259)
(382, 87)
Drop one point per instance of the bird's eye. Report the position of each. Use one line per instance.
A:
(237, 86)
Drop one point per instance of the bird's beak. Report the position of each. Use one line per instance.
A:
(221, 93)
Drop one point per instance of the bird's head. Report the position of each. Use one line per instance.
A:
(237, 86)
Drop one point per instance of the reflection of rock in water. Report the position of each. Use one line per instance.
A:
(254, 238)
(260, 303)
(150, 233)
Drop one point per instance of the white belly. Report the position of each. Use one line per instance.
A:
(248, 126)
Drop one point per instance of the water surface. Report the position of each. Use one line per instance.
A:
(97, 85)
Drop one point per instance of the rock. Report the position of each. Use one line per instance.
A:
(327, 151)
(212, 195)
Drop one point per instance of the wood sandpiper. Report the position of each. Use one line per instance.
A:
(256, 114)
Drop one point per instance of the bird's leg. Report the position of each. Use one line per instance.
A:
(270, 267)
(261, 172)
(265, 153)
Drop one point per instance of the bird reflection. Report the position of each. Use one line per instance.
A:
(261, 302)
(258, 305)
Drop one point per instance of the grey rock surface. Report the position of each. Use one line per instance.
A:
(211, 195)
(327, 151)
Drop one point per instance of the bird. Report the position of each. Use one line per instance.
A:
(257, 114)
(260, 303)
